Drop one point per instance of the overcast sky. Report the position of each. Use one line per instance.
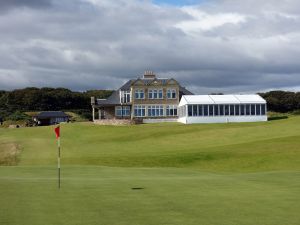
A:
(229, 46)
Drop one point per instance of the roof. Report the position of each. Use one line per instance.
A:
(50, 114)
(250, 99)
(184, 91)
(224, 99)
(114, 99)
(221, 99)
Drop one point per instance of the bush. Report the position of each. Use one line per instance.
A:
(17, 116)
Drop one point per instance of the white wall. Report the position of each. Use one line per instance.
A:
(221, 119)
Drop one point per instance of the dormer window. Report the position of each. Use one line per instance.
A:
(171, 94)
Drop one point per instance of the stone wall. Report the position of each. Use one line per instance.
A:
(117, 122)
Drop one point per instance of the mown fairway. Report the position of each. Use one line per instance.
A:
(227, 174)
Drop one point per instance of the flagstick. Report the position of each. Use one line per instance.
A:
(58, 161)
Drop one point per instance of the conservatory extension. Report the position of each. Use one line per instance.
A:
(221, 109)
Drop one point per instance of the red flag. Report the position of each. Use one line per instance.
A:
(57, 132)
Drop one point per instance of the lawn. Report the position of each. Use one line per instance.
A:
(228, 174)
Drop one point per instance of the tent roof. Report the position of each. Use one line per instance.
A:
(221, 99)
(250, 99)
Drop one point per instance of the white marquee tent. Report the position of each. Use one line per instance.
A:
(221, 108)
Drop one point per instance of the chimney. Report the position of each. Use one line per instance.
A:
(148, 74)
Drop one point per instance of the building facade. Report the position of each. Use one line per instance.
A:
(148, 98)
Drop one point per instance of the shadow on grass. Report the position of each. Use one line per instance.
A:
(278, 118)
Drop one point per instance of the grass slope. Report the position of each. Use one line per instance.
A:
(225, 174)
(245, 147)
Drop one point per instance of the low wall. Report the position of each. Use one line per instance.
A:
(117, 122)
(160, 120)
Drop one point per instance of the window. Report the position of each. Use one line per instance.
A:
(200, 110)
(155, 94)
(171, 110)
(216, 110)
(237, 110)
(226, 110)
(211, 110)
(124, 96)
(231, 107)
(221, 108)
(257, 109)
(190, 110)
(155, 110)
(160, 94)
(139, 94)
(252, 109)
(242, 110)
(139, 110)
(122, 111)
(247, 109)
(195, 110)
(263, 109)
(171, 93)
(205, 109)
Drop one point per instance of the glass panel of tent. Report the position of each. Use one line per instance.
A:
(205, 110)
(200, 110)
(257, 109)
(253, 110)
(195, 110)
(216, 110)
(231, 110)
(211, 110)
(263, 109)
(237, 110)
(221, 109)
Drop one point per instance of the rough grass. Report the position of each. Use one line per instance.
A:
(169, 174)
(9, 154)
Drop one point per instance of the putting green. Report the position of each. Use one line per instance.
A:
(103, 195)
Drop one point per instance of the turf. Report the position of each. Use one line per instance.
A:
(235, 174)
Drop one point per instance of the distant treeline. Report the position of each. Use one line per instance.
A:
(282, 101)
(48, 99)
(43, 99)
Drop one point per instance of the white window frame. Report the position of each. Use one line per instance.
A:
(171, 108)
(170, 93)
(155, 93)
(125, 96)
(139, 108)
(139, 94)
(125, 111)
(157, 109)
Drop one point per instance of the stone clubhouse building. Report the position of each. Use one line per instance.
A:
(150, 99)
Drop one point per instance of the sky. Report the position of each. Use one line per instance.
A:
(209, 46)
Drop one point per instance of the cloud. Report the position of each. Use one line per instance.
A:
(201, 20)
(216, 46)
(11, 4)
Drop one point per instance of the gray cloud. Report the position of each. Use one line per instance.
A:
(218, 46)
(11, 4)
